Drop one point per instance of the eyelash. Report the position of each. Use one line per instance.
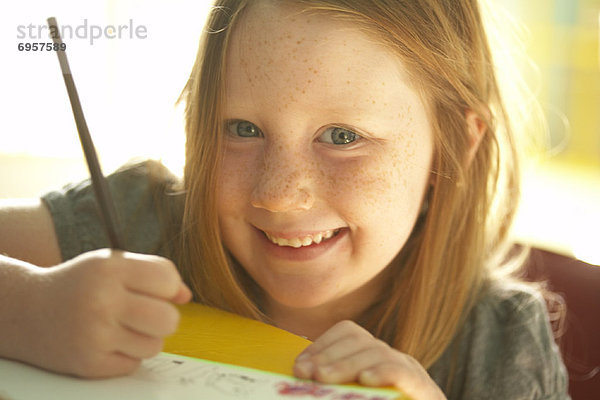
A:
(246, 129)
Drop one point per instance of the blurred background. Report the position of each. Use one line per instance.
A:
(128, 87)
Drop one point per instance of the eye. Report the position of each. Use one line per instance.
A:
(244, 129)
(338, 136)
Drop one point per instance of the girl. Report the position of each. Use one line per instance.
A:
(350, 176)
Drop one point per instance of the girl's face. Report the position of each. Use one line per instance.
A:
(328, 151)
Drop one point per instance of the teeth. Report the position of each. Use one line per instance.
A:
(304, 241)
(294, 243)
(317, 238)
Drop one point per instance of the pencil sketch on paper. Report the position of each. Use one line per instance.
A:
(233, 383)
(192, 373)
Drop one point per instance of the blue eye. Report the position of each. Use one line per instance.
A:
(338, 136)
(244, 129)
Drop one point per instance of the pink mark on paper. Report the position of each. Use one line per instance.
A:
(303, 389)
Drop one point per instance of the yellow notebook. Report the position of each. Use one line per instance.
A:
(216, 335)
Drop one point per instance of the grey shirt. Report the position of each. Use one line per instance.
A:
(504, 351)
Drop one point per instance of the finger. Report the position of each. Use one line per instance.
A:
(152, 275)
(348, 369)
(149, 316)
(183, 296)
(106, 366)
(344, 347)
(341, 341)
(412, 379)
(117, 364)
(306, 365)
(332, 335)
(121, 364)
(137, 346)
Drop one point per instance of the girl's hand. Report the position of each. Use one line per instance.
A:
(349, 353)
(98, 314)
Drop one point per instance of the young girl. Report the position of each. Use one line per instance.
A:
(350, 177)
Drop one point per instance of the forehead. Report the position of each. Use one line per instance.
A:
(276, 44)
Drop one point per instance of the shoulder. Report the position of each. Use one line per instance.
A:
(137, 190)
(509, 305)
(506, 348)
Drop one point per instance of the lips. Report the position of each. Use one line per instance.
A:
(303, 240)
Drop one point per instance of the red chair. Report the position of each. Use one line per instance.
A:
(578, 335)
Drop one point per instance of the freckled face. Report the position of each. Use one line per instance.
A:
(327, 157)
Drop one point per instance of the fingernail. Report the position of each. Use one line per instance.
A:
(326, 370)
(304, 369)
(368, 378)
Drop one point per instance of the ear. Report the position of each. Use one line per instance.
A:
(476, 129)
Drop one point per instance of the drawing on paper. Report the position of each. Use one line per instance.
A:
(222, 381)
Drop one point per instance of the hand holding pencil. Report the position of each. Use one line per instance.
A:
(98, 314)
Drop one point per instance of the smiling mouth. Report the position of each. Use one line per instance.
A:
(302, 241)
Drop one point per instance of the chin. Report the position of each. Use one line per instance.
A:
(303, 297)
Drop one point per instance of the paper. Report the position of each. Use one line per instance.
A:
(169, 376)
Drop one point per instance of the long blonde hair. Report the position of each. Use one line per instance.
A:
(440, 271)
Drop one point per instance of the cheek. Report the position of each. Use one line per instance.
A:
(234, 179)
(385, 187)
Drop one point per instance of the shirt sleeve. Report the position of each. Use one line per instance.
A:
(505, 351)
(77, 220)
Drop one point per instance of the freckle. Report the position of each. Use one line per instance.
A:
(303, 91)
(310, 81)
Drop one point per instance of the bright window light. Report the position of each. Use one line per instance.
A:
(129, 59)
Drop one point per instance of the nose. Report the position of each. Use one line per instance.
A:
(284, 183)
